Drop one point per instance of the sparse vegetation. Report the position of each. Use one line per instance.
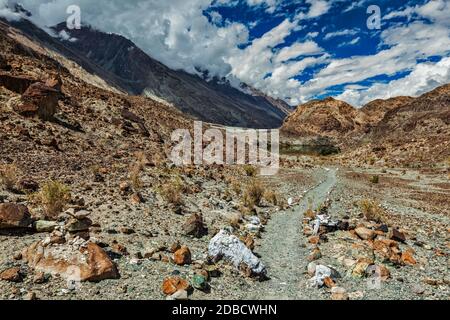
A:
(9, 175)
(253, 194)
(173, 190)
(135, 171)
(374, 179)
(274, 198)
(53, 197)
(250, 170)
(372, 210)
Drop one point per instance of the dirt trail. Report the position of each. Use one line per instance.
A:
(281, 250)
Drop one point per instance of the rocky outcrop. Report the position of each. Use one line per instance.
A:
(39, 99)
(14, 216)
(16, 84)
(75, 260)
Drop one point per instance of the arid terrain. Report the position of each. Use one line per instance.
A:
(91, 207)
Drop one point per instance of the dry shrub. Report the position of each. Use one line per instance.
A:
(135, 171)
(172, 191)
(372, 210)
(374, 179)
(9, 176)
(236, 187)
(53, 197)
(253, 194)
(310, 214)
(250, 170)
(274, 198)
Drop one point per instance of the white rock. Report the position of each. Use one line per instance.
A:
(230, 248)
(290, 201)
(179, 295)
(312, 268)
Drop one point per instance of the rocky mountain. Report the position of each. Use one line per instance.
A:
(401, 129)
(326, 118)
(137, 73)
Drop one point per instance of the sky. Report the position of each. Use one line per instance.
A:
(295, 50)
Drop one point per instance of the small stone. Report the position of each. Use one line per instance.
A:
(314, 240)
(418, 289)
(339, 293)
(179, 295)
(383, 228)
(11, 275)
(397, 235)
(365, 233)
(174, 284)
(311, 268)
(328, 282)
(175, 247)
(408, 258)
(182, 256)
(40, 278)
(199, 282)
(431, 282)
(315, 254)
(17, 256)
(76, 225)
(45, 226)
(359, 270)
(194, 226)
(30, 296)
(127, 231)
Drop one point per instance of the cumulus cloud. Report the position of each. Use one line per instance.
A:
(182, 35)
(423, 78)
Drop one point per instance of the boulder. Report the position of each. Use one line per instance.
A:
(194, 226)
(182, 256)
(84, 260)
(11, 275)
(78, 225)
(228, 247)
(174, 284)
(14, 216)
(40, 100)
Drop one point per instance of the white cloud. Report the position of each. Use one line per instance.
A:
(346, 32)
(423, 78)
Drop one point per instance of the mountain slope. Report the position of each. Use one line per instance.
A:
(139, 74)
(401, 130)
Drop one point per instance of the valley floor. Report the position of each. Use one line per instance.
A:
(417, 203)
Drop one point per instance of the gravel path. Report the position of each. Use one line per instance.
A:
(281, 248)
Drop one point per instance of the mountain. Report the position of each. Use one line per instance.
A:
(401, 130)
(327, 118)
(137, 73)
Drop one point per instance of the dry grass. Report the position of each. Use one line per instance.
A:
(372, 210)
(274, 198)
(135, 171)
(250, 170)
(172, 191)
(253, 194)
(9, 176)
(374, 179)
(53, 197)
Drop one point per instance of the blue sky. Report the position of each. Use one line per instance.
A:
(296, 50)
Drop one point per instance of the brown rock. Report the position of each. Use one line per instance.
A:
(329, 283)
(314, 240)
(194, 226)
(365, 233)
(408, 258)
(14, 83)
(249, 242)
(14, 216)
(40, 100)
(175, 247)
(397, 235)
(87, 263)
(315, 254)
(11, 275)
(173, 284)
(339, 293)
(182, 256)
